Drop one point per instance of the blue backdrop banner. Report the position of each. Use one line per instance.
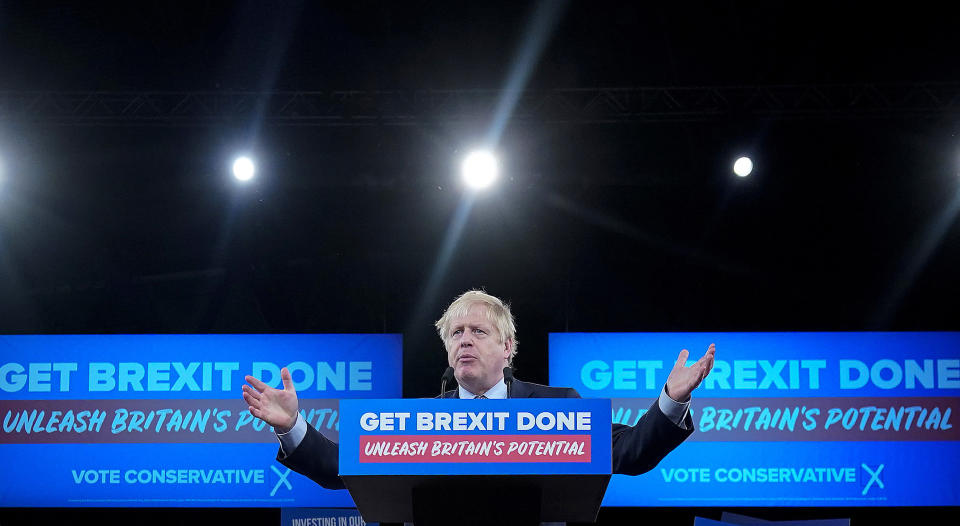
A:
(158, 420)
(789, 418)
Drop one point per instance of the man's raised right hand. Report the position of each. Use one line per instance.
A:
(277, 407)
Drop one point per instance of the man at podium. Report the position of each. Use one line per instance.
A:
(479, 334)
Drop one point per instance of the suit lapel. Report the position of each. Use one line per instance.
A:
(520, 390)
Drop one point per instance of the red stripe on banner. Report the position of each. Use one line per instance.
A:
(474, 448)
(157, 421)
(814, 419)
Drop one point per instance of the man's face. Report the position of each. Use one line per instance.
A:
(476, 351)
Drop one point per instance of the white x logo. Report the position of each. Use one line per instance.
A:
(874, 477)
(282, 480)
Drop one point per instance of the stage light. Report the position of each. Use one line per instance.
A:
(243, 169)
(479, 169)
(743, 166)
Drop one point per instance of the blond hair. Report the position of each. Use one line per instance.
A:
(497, 312)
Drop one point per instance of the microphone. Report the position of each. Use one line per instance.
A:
(508, 379)
(447, 376)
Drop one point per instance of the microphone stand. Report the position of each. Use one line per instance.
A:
(447, 376)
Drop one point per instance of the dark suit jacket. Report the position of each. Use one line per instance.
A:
(636, 449)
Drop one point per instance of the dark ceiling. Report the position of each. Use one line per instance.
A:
(847, 224)
(372, 44)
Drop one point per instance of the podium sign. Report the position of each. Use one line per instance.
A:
(548, 456)
(474, 437)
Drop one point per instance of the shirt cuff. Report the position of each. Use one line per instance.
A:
(291, 439)
(675, 411)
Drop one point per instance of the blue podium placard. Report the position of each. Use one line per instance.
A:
(158, 420)
(786, 418)
(475, 437)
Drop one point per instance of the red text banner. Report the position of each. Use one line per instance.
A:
(474, 448)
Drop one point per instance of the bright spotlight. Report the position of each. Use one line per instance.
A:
(743, 166)
(479, 169)
(243, 169)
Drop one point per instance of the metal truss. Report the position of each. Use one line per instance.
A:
(418, 107)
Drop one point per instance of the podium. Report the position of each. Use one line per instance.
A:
(450, 461)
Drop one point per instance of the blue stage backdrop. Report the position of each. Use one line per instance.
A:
(786, 419)
(158, 420)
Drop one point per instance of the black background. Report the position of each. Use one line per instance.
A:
(846, 223)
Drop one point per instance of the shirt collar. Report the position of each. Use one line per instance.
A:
(498, 391)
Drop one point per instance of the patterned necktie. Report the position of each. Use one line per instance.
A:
(479, 397)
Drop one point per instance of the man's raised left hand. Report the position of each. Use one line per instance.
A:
(683, 380)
